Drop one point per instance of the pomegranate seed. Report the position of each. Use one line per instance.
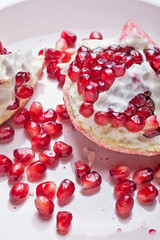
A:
(81, 169)
(95, 35)
(139, 100)
(128, 61)
(65, 190)
(65, 57)
(61, 75)
(61, 44)
(52, 54)
(117, 57)
(22, 77)
(157, 50)
(49, 158)
(52, 69)
(96, 72)
(131, 110)
(45, 206)
(102, 87)
(15, 172)
(143, 176)
(135, 123)
(84, 71)
(151, 123)
(36, 171)
(41, 52)
(23, 154)
(144, 112)
(156, 62)
(98, 50)
(150, 104)
(83, 49)
(32, 127)
(107, 54)
(91, 180)
(86, 109)
(83, 81)
(15, 105)
(102, 118)
(73, 71)
(62, 149)
(80, 57)
(147, 194)
(152, 133)
(137, 56)
(117, 119)
(64, 219)
(114, 47)
(101, 62)
(19, 192)
(150, 54)
(147, 93)
(108, 77)
(124, 205)
(126, 49)
(70, 37)
(42, 140)
(25, 91)
(6, 132)
(109, 65)
(36, 110)
(91, 60)
(52, 128)
(22, 116)
(119, 70)
(157, 173)
(62, 111)
(90, 94)
(123, 187)
(49, 115)
(5, 164)
(47, 189)
(118, 173)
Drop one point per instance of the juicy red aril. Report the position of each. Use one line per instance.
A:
(81, 169)
(147, 194)
(42, 140)
(6, 132)
(45, 206)
(131, 110)
(22, 77)
(15, 172)
(151, 123)
(114, 47)
(36, 171)
(106, 54)
(90, 94)
(83, 81)
(102, 87)
(137, 56)
(52, 128)
(150, 54)
(70, 37)
(117, 57)
(84, 71)
(61, 44)
(19, 192)
(98, 50)
(49, 157)
(61, 75)
(128, 61)
(48, 115)
(147, 93)
(91, 180)
(64, 219)
(83, 49)
(126, 49)
(139, 100)
(52, 69)
(135, 123)
(52, 54)
(118, 173)
(32, 127)
(41, 52)
(5, 164)
(124, 205)
(65, 57)
(152, 133)
(156, 62)
(15, 105)
(65, 190)
(25, 91)
(23, 154)
(62, 111)
(101, 62)
(143, 176)
(102, 118)
(108, 77)
(144, 112)
(119, 70)
(86, 109)
(80, 57)
(95, 35)
(150, 104)
(117, 119)
(22, 116)
(47, 189)
(36, 110)
(62, 149)
(73, 71)
(157, 173)
(90, 60)
(96, 72)
(123, 187)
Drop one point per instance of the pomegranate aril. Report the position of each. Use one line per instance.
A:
(152, 133)
(144, 112)
(84, 71)
(83, 81)
(5, 164)
(128, 61)
(61, 44)
(22, 116)
(117, 119)
(15, 105)
(47, 189)
(23, 154)
(16, 171)
(6, 132)
(107, 54)
(119, 70)
(123, 187)
(25, 91)
(80, 57)
(36, 171)
(102, 87)
(62, 149)
(126, 49)
(91, 180)
(45, 206)
(81, 169)
(143, 176)
(96, 35)
(102, 118)
(36, 110)
(147, 194)
(157, 173)
(150, 54)
(49, 157)
(86, 109)
(42, 140)
(48, 115)
(32, 127)
(147, 94)
(70, 38)
(62, 111)
(52, 54)
(96, 72)
(65, 190)
(64, 219)
(118, 173)
(83, 49)
(124, 205)
(114, 47)
(65, 57)
(151, 123)
(98, 50)
(156, 62)
(131, 110)
(52, 128)
(22, 77)
(73, 72)
(117, 57)
(41, 52)
(19, 192)
(52, 69)
(101, 62)
(90, 94)
(61, 75)
(90, 60)
(139, 100)
(137, 56)
(150, 104)
(135, 123)
(107, 76)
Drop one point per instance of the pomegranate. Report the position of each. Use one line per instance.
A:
(52, 128)
(49, 115)
(6, 132)
(123, 187)
(96, 35)
(65, 190)
(15, 171)
(24, 154)
(19, 192)
(62, 111)
(5, 164)
(147, 194)
(36, 110)
(70, 37)
(41, 140)
(32, 127)
(91, 180)
(25, 91)
(124, 205)
(22, 116)
(49, 157)
(36, 171)
(62, 149)
(15, 105)
(143, 176)
(45, 206)
(64, 219)
(118, 173)
(81, 169)
(47, 189)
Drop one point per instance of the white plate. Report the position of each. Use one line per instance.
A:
(94, 216)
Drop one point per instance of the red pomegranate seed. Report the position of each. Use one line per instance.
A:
(42, 140)
(152, 133)
(151, 123)
(139, 100)
(108, 77)
(91, 60)
(150, 54)
(126, 49)
(32, 127)
(124, 205)
(64, 219)
(22, 77)
(61, 75)
(96, 72)
(49, 115)
(91, 180)
(119, 69)
(143, 176)
(49, 157)
(15, 172)
(23, 154)
(52, 54)
(131, 110)
(101, 62)
(62, 149)
(84, 71)
(73, 72)
(118, 173)
(83, 81)
(114, 47)
(98, 50)
(45, 206)
(128, 61)
(70, 37)
(62, 111)
(150, 104)
(147, 194)
(65, 57)
(41, 52)
(123, 187)
(107, 54)
(22, 116)
(156, 62)
(157, 173)
(102, 118)
(147, 93)
(52, 128)
(19, 192)
(25, 91)
(117, 57)
(95, 35)
(6, 132)
(144, 112)
(52, 69)
(81, 169)
(36, 171)
(47, 189)
(83, 49)
(36, 110)
(90, 94)
(86, 109)
(65, 190)
(102, 87)
(80, 57)
(135, 123)
(117, 119)
(15, 105)
(5, 164)
(61, 44)
(137, 56)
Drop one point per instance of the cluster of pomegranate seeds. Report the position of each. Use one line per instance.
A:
(153, 57)
(6, 132)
